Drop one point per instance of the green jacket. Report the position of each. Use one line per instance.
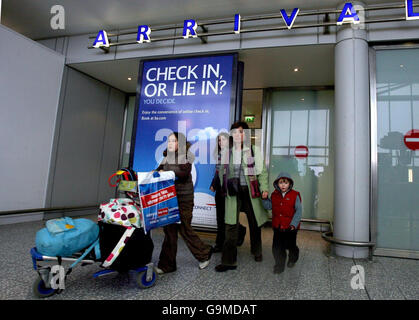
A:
(262, 175)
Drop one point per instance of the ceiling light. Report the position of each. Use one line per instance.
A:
(296, 69)
(129, 78)
(401, 66)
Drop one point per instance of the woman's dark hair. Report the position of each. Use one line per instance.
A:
(236, 125)
(239, 124)
(183, 145)
(217, 149)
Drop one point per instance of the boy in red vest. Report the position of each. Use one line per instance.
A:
(286, 207)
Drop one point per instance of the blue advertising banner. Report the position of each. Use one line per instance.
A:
(194, 96)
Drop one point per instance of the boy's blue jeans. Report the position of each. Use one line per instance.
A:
(283, 240)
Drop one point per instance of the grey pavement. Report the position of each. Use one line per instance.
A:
(317, 274)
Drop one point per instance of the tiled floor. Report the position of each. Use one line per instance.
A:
(317, 275)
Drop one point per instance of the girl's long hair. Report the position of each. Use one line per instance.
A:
(217, 149)
(183, 144)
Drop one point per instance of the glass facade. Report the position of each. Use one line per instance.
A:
(397, 165)
(304, 118)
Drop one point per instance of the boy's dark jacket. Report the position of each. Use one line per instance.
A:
(286, 210)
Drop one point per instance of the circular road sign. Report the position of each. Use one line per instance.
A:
(301, 152)
(411, 139)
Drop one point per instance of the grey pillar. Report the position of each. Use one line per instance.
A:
(352, 141)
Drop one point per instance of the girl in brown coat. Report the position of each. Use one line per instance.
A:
(177, 158)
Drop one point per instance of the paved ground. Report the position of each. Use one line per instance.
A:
(317, 275)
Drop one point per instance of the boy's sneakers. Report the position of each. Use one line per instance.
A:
(290, 264)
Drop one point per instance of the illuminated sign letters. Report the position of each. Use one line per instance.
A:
(237, 23)
(289, 21)
(348, 15)
(189, 29)
(410, 15)
(101, 40)
(143, 34)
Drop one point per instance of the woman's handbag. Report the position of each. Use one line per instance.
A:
(254, 188)
(233, 185)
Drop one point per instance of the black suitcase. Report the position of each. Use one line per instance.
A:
(138, 250)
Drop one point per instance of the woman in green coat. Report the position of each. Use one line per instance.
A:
(243, 169)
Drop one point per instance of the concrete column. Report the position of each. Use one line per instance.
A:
(352, 141)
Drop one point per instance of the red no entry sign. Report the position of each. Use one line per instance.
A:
(411, 139)
(301, 152)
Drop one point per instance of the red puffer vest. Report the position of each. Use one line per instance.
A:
(283, 209)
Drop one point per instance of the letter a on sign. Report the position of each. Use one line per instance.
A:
(101, 40)
(348, 15)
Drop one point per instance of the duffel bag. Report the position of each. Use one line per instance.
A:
(65, 236)
(137, 252)
(121, 211)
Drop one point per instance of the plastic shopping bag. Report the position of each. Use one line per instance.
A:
(158, 199)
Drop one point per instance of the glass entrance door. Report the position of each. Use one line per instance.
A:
(397, 85)
(301, 143)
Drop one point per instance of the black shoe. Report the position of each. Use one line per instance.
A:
(290, 264)
(278, 269)
(223, 268)
(258, 258)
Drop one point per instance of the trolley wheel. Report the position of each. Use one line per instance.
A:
(40, 290)
(142, 279)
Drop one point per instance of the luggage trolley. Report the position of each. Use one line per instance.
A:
(120, 242)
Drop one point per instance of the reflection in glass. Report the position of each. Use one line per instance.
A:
(398, 166)
(303, 118)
